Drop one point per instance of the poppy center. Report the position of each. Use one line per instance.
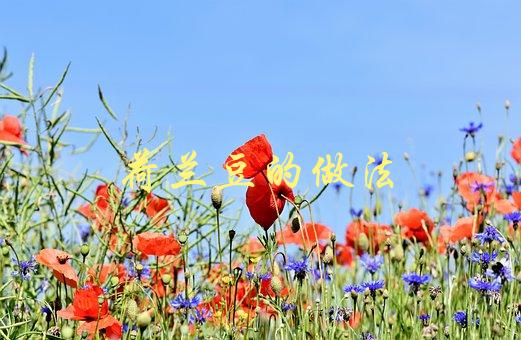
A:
(62, 259)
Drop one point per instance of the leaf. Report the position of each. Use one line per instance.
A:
(105, 104)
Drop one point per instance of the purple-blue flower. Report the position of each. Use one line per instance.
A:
(461, 318)
(286, 307)
(484, 286)
(373, 285)
(355, 213)
(24, 269)
(300, 268)
(371, 263)
(415, 280)
(199, 316)
(482, 187)
(513, 217)
(483, 258)
(518, 319)
(489, 235)
(472, 128)
(353, 288)
(180, 302)
(427, 190)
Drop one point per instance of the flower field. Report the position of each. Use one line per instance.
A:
(86, 257)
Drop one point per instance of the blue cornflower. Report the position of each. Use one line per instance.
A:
(513, 217)
(415, 280)
(45, 310)
(25, 269)
(461, 318)
(84, 230)
(509, 189)
(264, 277)
(125, 328)
(515, 180)
(483, 258)
(337, 186)
(300, 268)
(471, 129)
(199, 316)
(325, 275)
(249, 275)
(2, 242)
(490, 234)
(43, 286)
(180, 302)
(483, 286)
(371, 263)
(424, 318)
(132, 272)
(482, 187)
(355, 213)
(518, 319)
(373, 286)
(427, 190)
(367, 336)
(353, 288)
(286, 307)
(340, 314)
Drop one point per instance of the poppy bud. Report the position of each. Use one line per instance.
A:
(166, 278)
(182, 238)
(385, 294)
(406, 156)
(67, 332)
(328, 255)
(132, 309)
(507, 104)
(101, 299)
(276, 285)
(355, 169)
(333, 237)
(217, 197)
(231, 234)
(85, 249)
(114, 281)
(463, 250)
(363, 242)
(143, 319)
(470, 156)
(296, 223)
(478, 107)
(499, 165)
(454, 172)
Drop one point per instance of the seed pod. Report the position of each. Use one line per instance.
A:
(132, 310)
(217, 197)
(85, 249)
(296, 223)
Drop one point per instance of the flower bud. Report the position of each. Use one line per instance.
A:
(143, 320)
(328, 255)
(183, 238)
(132, 309)
(296, 223)
(166, 278)
(114, 281)
(276, 285)
(406, 156)
(67, 332)
(470, 156)
(217, 197)
(507, 104)
(363, 242)
(85, 249)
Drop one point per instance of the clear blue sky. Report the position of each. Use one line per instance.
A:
(315, 76)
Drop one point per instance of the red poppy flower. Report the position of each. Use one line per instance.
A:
(11, 131)
(86, 307)
(265, 201)
(156, 208)
(463, 229)
(344, 254)
(252, 157)
(157, 244)
(308, 235)
(411, 224)
(374, 232)
(472, 186)
(101, 212)
(100, 273)
(57, 261)
(253, 246)
(516, 151)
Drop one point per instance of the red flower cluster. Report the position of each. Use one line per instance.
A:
(11, 131)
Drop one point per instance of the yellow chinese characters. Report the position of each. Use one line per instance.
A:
(331, 172)
(140, 171)
(235, 170)
(188, 163)
(384, 179)
(286, 171)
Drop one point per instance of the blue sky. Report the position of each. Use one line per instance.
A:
(316, 76)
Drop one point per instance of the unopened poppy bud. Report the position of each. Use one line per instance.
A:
(385, 294)
(231, 234)
(333, 237)
(185, 329)
(182, 238)
(454, 172)
(143, 320)
(478, 107)
(67, 332)
(166, 278)
(298, 200)
(276, 285)
(367, 214)
(101, 299)
(296, 224)
(114, 281)
(507, 104)
(328, 255)
(355, 169)
(85, 249)
(363, 242)
(217, 197)
(463, 250)
(499, 165)
(132, 309)
(470, 156)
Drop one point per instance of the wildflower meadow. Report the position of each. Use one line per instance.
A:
(91, 256)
